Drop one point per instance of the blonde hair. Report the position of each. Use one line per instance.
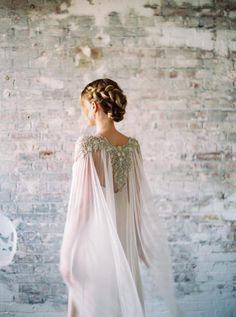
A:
(109, 95)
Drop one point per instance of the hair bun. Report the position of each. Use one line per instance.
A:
(109, 95)
(116, 113)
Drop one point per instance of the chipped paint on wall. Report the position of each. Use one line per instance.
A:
(100, 9)
(86, 55)
(196, 3)
(168, 34)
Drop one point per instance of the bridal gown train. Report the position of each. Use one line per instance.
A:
(112, 225)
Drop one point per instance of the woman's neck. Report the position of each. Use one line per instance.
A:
(105, 127)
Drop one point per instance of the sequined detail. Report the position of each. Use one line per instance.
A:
(120, 155)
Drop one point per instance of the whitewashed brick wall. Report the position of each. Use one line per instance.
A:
(175, 60)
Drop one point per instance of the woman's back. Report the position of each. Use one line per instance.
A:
(120, 156)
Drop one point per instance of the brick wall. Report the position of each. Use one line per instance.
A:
(176, 62)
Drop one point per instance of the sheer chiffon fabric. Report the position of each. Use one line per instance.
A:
(109, 230)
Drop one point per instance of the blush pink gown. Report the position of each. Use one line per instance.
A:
(111, 227)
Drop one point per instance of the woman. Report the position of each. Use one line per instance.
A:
(109, 230)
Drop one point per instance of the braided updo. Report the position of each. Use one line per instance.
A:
(109, 95)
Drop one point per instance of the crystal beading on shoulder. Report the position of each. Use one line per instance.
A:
(120, 155)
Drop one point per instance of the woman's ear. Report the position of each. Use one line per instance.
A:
(95, 106)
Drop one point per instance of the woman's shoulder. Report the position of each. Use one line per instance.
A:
(134, 142)
(85, 144)
(88, 141)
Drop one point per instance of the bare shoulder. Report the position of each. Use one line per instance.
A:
(120, 137)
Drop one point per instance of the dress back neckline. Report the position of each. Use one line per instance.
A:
(116, 146)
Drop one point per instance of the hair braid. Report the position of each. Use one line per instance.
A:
(109, 95)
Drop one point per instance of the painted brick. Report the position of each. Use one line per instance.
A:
(175, 60)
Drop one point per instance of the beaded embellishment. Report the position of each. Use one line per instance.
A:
(120, 155)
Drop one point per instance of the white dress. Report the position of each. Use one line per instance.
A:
(111, 226)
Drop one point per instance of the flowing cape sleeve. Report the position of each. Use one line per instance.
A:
(152, 239)
(103, 283)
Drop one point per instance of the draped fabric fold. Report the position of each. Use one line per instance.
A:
(111, 226)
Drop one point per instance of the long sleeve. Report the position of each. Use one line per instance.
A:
(137, 201)
(152, 240)
(79, 200)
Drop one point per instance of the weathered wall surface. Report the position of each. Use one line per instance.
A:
(176, 62)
